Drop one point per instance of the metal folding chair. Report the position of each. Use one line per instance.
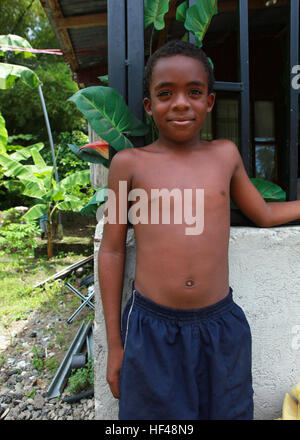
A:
(86, 300)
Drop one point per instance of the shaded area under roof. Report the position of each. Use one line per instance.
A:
(81, 29)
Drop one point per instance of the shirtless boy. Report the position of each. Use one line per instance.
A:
(184, 348)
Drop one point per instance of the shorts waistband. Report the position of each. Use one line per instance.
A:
(185, 315)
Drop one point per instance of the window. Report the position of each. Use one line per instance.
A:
(227, 119)
(264, 140)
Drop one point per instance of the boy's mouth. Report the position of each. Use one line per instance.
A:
(181, 122)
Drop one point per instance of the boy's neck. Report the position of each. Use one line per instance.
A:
(172, 146)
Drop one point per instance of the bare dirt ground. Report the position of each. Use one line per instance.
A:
(44, 334)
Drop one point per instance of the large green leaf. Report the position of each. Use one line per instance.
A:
(9, 73)
(13, 185)
(108, 115)
(78, 178)
(154, 13)
(11, 41)
(198, 17)
(35, 212)
(70, 205)
(40, 171)
(26, 152)
(181, 11)
(269, 190)
(89, 155)
(59, 191)
(37, 158)
(3, 135)
(98, 198)
(33, 189)
(14, 168)
(104, 79)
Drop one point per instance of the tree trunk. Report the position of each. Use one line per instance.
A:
(49, 243)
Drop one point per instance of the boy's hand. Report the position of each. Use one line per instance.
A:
(114, 363)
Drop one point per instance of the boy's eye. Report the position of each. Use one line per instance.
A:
(196, 92)
(164, 93)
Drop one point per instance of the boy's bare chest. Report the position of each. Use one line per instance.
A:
(154, 176)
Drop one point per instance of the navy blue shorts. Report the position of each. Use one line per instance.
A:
(185, 364)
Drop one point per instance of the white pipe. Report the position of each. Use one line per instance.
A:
(50, 140)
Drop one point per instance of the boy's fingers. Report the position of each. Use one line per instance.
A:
(114, 387)
(113, 383)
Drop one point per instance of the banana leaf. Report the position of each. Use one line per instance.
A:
(60, 190)
(198, 17)
(9, 73)
(26, 152)
(14, 168)
(33, 189)
(13, 185)
(40, 171)
(35, 212)
(3, 135)
(37, 159)
(14, 41)
(98, 198)
(78, 178)
(108, 115)
(70, 205)
(154, 13)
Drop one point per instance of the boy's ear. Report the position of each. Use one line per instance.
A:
(210, 102)
(147, 106)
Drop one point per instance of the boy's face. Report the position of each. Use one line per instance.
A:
(179, 99)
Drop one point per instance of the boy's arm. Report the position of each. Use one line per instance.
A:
(252, 204)
(111, 261)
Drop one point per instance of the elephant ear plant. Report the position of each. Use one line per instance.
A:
(111, 119)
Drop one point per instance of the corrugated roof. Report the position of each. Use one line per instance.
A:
(81, 29)
(71, 8)
(90, 45)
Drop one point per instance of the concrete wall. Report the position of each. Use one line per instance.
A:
(265, 277)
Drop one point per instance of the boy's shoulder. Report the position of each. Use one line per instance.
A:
(223, 144)
(224, 147)
(128, 158)
(124, 162)
(225, 153)
(128, 155)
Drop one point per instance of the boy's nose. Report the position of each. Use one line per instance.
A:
(180, 102)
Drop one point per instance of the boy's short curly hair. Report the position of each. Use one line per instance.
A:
(178, 47)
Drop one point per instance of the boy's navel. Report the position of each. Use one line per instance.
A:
(189, 283)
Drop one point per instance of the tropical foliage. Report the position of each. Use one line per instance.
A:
(35, 181)
(38, 183)
(27, 19)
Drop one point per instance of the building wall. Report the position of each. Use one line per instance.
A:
(264, 267)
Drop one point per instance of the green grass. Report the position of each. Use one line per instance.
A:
(18, 276)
